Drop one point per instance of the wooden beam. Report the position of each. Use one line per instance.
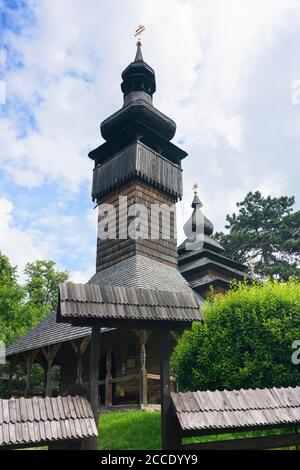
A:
(120, 379)
(108, 379)
(233, 430)
(252, 443)
(143, 370)
(94, 379)
(75, 347)
(29, 357)
(176, 336)
(84, 344)
(79, 349)
(49, 355)
(166, 405)
(143, 334)
(28, 374)
(297, 432)
(12, 365)
(155, 325)
(157, 377)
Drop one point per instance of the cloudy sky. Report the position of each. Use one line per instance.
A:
(228, 72)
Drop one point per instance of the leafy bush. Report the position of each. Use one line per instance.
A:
(245, 342)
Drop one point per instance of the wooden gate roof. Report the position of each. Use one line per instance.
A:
(26, 421)
(237, 409)
(125, 303)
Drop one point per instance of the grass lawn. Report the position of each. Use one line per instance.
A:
(140, 430)
(130, 430)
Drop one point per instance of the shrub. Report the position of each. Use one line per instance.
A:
(245, 341)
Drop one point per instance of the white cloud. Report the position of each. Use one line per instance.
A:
(20, 246)
(42, 239)
(208, 56)
(203, 53)
(81, 277)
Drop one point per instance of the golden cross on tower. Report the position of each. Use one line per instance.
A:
(195, 188)
(138, 33)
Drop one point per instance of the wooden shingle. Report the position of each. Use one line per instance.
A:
(36, 420)
(225, 409)
(114, 302)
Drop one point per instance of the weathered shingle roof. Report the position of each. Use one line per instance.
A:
(237, 408)
(144, 272)
(137, 160)
(45, 333)
(40, 420)
(48, 332)
(114, 302)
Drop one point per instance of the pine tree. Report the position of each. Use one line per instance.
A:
(267, 232)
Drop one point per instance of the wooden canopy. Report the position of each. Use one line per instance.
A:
(222, 412)
(36, 421)
(111, 305)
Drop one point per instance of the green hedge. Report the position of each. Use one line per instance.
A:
(245, 342)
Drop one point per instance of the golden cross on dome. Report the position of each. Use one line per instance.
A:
(195, 188)
(138, 33)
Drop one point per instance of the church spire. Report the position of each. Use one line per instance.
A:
(138, 86)
(139, 55)
(138, 33)
(198, 220)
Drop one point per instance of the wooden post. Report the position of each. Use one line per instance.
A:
(28, 374)
(297, 432)
(79, 369)
(94, 379)
(48, 385)
(12, 365)
(79, 350)
(49, 354)
(30, 356)
(176, 336)
(143, 370)
(108, 377)
(166, 430)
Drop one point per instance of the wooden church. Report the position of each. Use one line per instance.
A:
(137, 161)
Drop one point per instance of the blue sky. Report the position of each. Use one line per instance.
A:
(224, 70)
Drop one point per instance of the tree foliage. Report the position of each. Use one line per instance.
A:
(266, 231)
(23, 306)
(245, 342)
(16, 313)
(42, 282)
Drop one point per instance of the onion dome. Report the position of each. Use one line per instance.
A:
(138, 87)
(198, 230)
(138, 76)
(198, 216)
